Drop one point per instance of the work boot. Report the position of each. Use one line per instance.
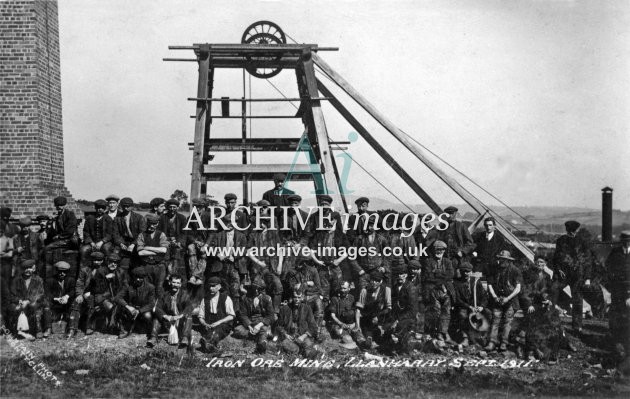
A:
(71, 333)
(47, 333)
(519, 351)
(465, 342)
(490, 347)
(151, 342)
(449, 341)
(123, 334)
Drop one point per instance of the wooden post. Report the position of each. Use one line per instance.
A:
(380, 150)
(474, 202)
(201, 117)
(244, 153)
(321, 132)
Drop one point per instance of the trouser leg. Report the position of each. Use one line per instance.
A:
(506, 324)
(497, 315)
(577, 306)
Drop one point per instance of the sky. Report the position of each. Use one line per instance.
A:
(530, 99)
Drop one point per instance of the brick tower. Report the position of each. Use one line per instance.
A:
(31, 134)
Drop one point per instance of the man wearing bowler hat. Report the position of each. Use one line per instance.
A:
(572, 266)
(618, 267)
(504, 287)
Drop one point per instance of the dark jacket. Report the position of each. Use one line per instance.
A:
(404, 301)
(103, 288)
(137, 225)
(343, 308)
(464, 290)
(175, 230)
(98, 229)
(85, 280)
(505, 281)
(428, 240)
(460, 239)
(534, 283)
(65, 225)
(573, 257)
(251, 315)
(35, 292)
(296, 321)
(277, 197)
(302, 276)
(141, 298)
(219, 240)
(55, 290)
(370, 263)
(618, 278)
(182, 300)
(487, 251)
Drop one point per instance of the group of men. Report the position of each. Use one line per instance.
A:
(153, 270)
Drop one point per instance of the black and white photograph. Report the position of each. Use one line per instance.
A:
(314, 199)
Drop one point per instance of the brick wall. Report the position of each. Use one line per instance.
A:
(31, 131)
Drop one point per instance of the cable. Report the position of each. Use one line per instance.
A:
(281, 93)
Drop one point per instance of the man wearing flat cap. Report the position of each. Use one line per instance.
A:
(172, 224)
(26, 243)
(9, 228)
(504, 287)
(278, 195)
(108, 281)
(152, 250)
(137, 303)
(98, 232)
(127, 226)
(357, 221)
(216, 315)
(572, 266)
(196, 239)
(230, 206)
(27, 295)
(64, 229)
(470, 297)
(256, 315)
(174, 307)
(84, 295)
(457, 238)
(404, 306)
(373, 243)
(60, 292)
(373, 309)
(618, 282)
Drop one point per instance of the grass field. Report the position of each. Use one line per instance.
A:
(103, 366)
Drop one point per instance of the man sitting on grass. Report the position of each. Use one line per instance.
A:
(136, 301)
(174, 308)
(216, 313)
(256, 315)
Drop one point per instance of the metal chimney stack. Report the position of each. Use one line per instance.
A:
(607, 214)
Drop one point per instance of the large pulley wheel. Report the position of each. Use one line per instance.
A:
(263, 33)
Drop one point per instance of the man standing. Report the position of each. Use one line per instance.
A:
(488, 245)
(504, 288)
(457, 238)
(97, 232)
(197, 239)
(371, 258)
(152, 249)
(112, 206)
(618, 267)
(136, 301)
(60, 291)
(27, 295)
(84, 298)
(572, 262)
(127, 226)
(256, 315)
(174, 308)
(404, 307)
(228, 264)
(357, 221)
(172, 224)
(230, 206)
(216, 314)
(437, 289)
(5, 222)
(470, 297)
(278, 195)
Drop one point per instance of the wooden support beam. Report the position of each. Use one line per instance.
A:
(255, 99)
(259, 144)
(258, 176)
(380, 150)
(257, 168)
(200, 126)
(419, 153)
(332, 184)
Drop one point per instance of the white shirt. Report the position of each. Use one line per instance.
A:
(489, 236)
(214, 302)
